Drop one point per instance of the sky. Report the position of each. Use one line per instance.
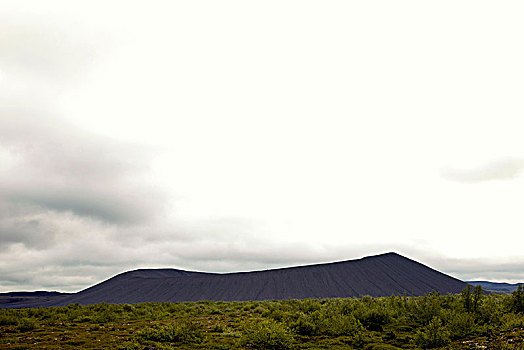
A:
(227, 136)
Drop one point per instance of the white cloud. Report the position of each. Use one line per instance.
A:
(501, 169)
(232, 135)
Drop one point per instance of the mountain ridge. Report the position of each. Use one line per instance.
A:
(377, 275)
(496, 287)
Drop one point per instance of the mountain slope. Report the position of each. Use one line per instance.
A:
(381, 275)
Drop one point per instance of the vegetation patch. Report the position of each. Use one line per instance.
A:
(184, 332)
(469, 320)
(267, 334)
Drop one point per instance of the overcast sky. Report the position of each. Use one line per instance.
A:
(238, 135)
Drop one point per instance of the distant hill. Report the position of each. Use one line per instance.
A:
(496, 287)
(380, 275)
(22, 299)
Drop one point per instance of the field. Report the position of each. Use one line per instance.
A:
(470, 320)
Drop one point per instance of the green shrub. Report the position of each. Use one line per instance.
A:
(304, 326)
(381, 347)
(517, 300)
(131, 345)
(83, 319)
(307, 306)
(26, 325)
(344, 325)
(491, 309)
(8, 320)
(218, 328)
(330, 321)
(267, 334)
(511, 321)
(461, 324)
(433, 335)
(177, 332)
(104, 316)
(276, 314)
(373, 318)
(259, 310)
(423, 309)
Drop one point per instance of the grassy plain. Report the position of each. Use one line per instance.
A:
(464, 321)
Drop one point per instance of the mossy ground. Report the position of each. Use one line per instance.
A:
(431, 321)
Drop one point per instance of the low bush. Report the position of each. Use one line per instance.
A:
(218, 328)
(381, 347)
(26, 325)
(460, 324)
(512, 321)
(308, 306)
(491, 310)
(267, 334)
(176, 332)
(8, 320)
(517, 300)
(435, 334)
(423, 309)
(373, 318)
(304, 325)
(104, 317)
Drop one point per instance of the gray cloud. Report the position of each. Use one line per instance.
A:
(502, 169)
(68, 198)
(60, 168)
(53, 165)
(25, 227)
(77, 208)
(470, 269)
(71, 203)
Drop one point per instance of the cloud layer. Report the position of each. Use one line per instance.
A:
(76, 208)
(56, 167)
(293, 143)
(501, 169)
(70, 201)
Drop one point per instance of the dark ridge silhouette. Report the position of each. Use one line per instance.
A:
(496, 287)
(38, 293)
(380, 275)
(27, 299)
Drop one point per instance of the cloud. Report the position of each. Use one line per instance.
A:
(508, 269)
(502, 169)
(40, 50)
(68, 198)
(77, 208)
(57, 167)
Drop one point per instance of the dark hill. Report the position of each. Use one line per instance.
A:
(496, 287)
(25, 299)
(380, 275)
